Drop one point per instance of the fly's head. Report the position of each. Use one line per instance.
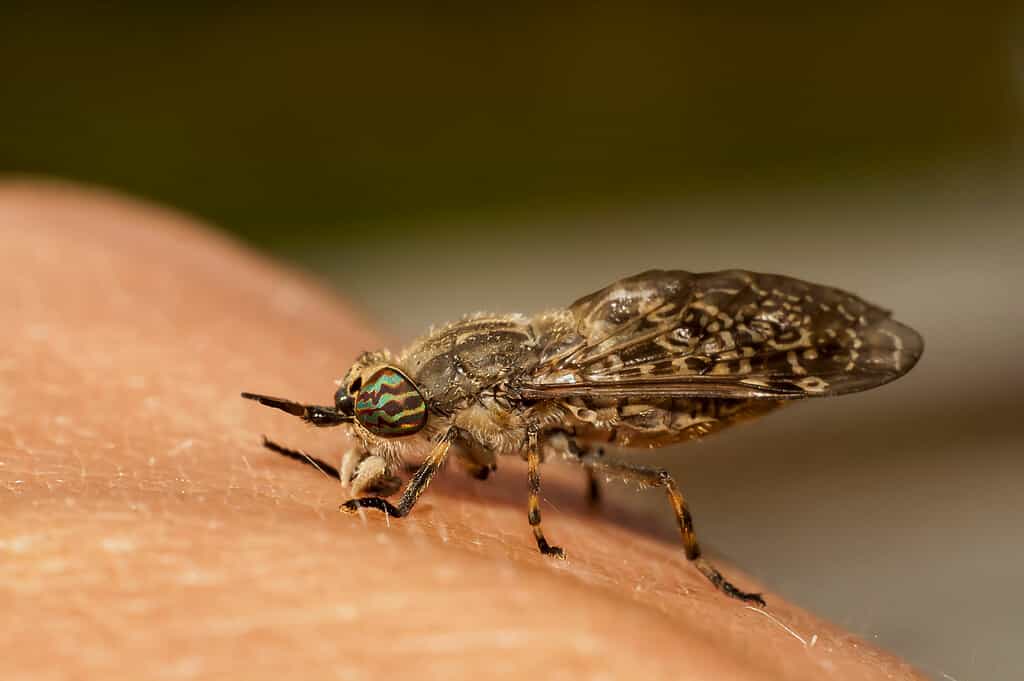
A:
(382, 401)
(376, 399)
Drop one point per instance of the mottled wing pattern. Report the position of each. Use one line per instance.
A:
(733, 334)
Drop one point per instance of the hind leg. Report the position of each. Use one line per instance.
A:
(654, 478)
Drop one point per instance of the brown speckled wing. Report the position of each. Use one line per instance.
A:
(733, 334)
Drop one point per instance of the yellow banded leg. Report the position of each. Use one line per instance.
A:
(655, 477)
(533, 463)
(413, 490)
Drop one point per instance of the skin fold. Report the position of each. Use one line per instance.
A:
(146, 533)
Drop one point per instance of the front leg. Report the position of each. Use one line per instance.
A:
(302, 457)
(371, 475)
(413, 490)
(365, 474)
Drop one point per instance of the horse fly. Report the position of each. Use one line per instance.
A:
(651, 360)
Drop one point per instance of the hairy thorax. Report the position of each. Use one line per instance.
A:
(453, 366)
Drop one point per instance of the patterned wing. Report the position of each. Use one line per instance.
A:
(733, 334)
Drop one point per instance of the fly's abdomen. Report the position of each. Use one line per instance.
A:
(639, 422)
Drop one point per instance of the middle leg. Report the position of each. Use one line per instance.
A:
(533, 463)
(475, 459)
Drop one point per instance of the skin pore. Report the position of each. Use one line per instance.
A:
(145, 531)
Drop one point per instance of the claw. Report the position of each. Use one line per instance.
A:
(555, 552)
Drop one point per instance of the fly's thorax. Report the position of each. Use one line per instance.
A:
(454, 365)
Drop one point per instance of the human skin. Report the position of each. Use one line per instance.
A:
(145, 533)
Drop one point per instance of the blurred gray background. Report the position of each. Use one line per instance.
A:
(432, 162)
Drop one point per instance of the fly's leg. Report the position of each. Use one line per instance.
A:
(533, 464)
(350, 461)
(593, 489)
(424, 474)
(581, 452)
(656, 477)
(564, 443)
(585, 452)
(365, 473)
(372, 475)
(478, 462)
(300, 456)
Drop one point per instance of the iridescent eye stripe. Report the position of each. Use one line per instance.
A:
(389, 404)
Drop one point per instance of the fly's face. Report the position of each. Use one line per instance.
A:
(376, 398)
(383, 401)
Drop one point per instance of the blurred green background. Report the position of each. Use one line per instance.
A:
(289, 124)
(468, 156)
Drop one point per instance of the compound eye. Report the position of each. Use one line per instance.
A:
(389, 405)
